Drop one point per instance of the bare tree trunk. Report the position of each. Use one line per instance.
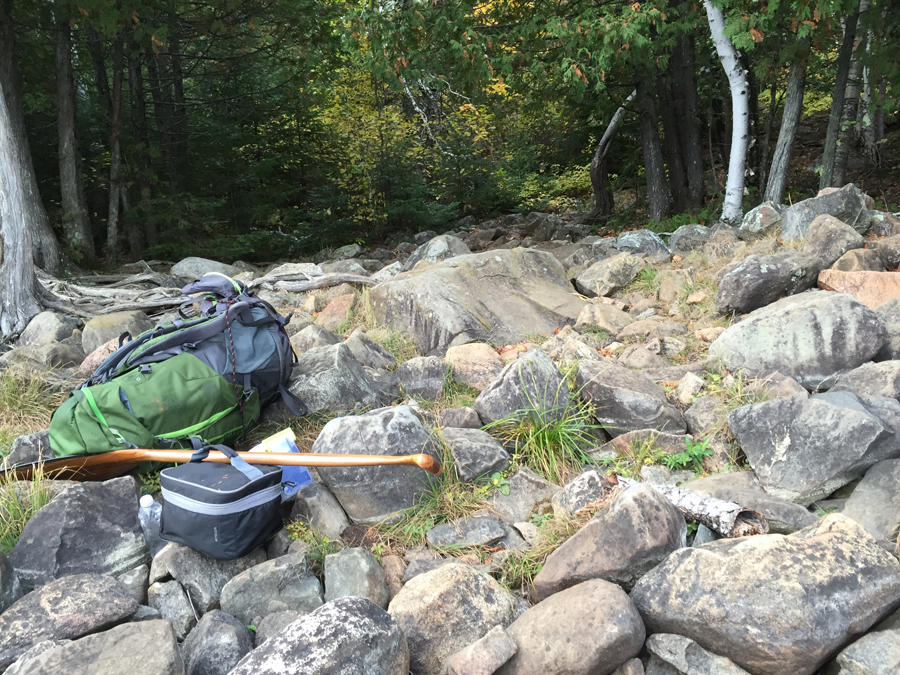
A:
(865, 118)
(753, 158)
(141, 162)
(115, 155)
(672, 147)
(732, 209)
(848, 130)
(603, 199)
(685, 90)
(879, 111)
(160, 92)
(21, 211)
(76, 224)
(657, 186)
(826, 179)
(179, 108)
(790, 120)
(96, 50)
(767, 137)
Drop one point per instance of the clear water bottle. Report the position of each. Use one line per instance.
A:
(149, 516)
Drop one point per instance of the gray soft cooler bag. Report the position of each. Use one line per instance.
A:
(223, 510)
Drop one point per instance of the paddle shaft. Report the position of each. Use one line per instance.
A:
(130, 458)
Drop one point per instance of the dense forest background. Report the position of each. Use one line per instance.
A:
(265, 129)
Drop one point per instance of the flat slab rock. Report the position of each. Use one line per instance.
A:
(870, 288)
(774, 604)
(145, 648)
(64, 609)
(499, 296)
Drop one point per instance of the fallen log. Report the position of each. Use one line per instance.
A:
(148, 306)
(724, 518)
(325, 281)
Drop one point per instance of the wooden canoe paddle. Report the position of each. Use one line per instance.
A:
(108, 464)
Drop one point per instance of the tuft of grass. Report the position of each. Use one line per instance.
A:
(19, 501)
(456, 395)
(640, 453)
(26, 405)
(519, 568)
(645, 282)
(447, 499)
(551, 442)
(320, 545)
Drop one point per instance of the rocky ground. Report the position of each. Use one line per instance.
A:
(568, 382)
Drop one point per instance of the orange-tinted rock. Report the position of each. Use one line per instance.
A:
(96, 357)
(870, 288)
(336, 312)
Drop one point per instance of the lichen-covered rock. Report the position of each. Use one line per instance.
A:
(173, 604)
(368, 352)
(47, 328)
(590, 628)
(354, 572)
(526, 490)
(444, 610)
(369, 494)
(316, 504)
(439, 248)
(475, 453)
(678, 655)
(606, 276)
(423, 376)
(106, 327)
(828, 239)
(688, 237)
(641, 241)
(774, 604)
(90, 527)
(810, 337)
(64, 609)
(500, 296)
(194, 268)
(760, 221)
(348, 635)
(761, 279)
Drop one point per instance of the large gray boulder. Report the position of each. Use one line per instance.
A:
(760, 221)
(829, 239)
(369, 494)
(201, 577)
(279, 584)
(89, 527)
(804, 449)
(688, 237)
(773, 604)
(145, 648)
(173, 604)
(368, 352)
(330, 379)
(876, 653)
(592, 628)
(627, 538)
(875, 502)
(442, 247)
(742, 487)
(810, 337)
(101, 329)
(64, 609)
(423, 376)
(626, 400)
(761, 279)
(847, 204)
(500, 296)
(216, 645)
(348, 635)
(194, 268)
(47, 328)
(354, 572)
(608, 275)
(532, 383)
(444, 610)
(641, 241)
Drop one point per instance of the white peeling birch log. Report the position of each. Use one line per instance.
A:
(725, 518)
(324, 281)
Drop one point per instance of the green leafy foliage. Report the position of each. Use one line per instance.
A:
(692, 456)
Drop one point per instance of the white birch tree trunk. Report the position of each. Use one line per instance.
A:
(732, 209)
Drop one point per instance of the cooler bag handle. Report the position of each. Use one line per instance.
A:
(201, 452)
